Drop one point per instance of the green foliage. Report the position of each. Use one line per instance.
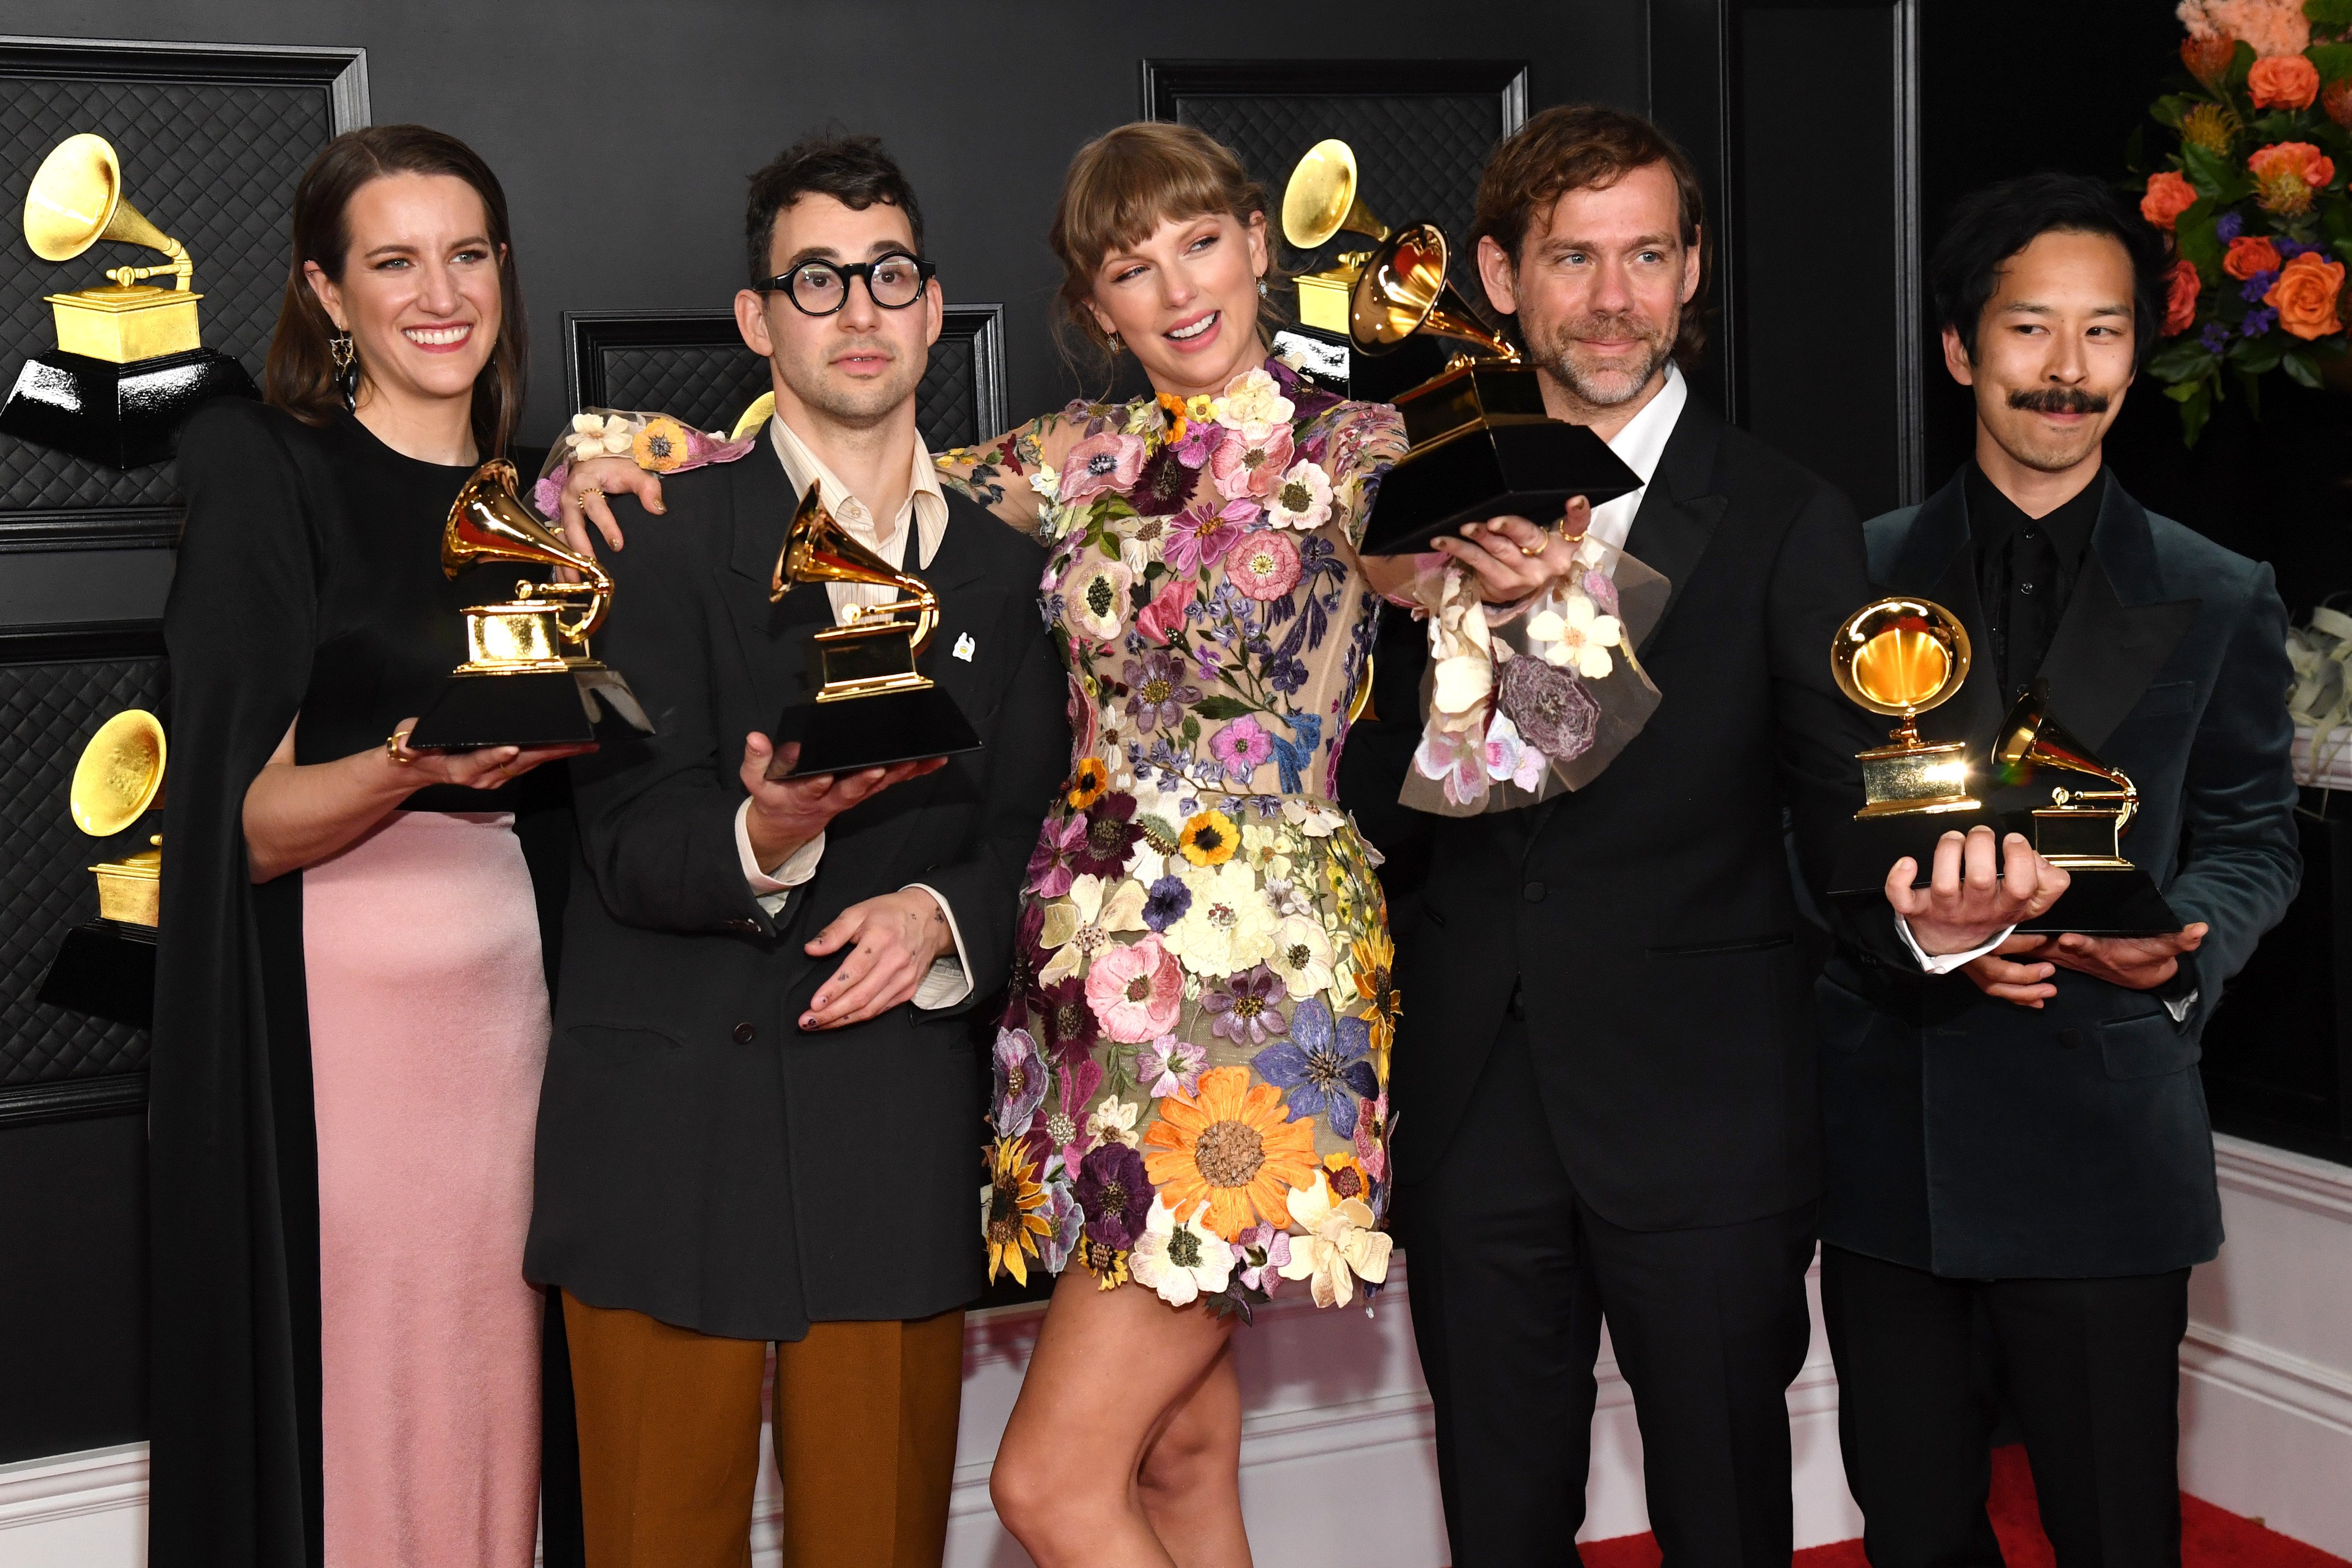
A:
(2254, 356)
(2222, 182)
(1220, 707)
(2195, 400)
(2171, 109)
(2328, 13)
(2240, 64)
(2297, 364)
(2185, 361)
(2194, 238)
(2334, 60)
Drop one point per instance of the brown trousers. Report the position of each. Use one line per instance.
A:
(865, 1418)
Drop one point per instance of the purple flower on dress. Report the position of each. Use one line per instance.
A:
(1111, 832)
(1242, 1007)
(1162, 486)
(1242, 746)
(1157, 691)
(1028, 957)
(1165, 901)
(1063, 1213)
(1198, 540)
(1172, 1065)
(2228, 227)
(1602, 589)
(1554, 712)
(1020, 1082)
(2258, 285)
(1259, 1254)
(1066, 1024)
(1321, 1066)
(1051, 868)
(1115, 1191)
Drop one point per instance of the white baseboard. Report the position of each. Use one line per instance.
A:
(76, 1510)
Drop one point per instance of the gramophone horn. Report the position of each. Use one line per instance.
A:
(1320, 199)
(76, 200)
(817, 548)
(119, 775)
(488, 521)
(1403, 291)
(2031, 739)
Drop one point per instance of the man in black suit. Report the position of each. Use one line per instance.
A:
(746, 1136)
(2025, 1142)
(1605, 1074)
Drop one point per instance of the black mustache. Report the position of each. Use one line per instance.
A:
(2059, 400)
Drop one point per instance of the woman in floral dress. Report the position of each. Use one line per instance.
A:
(1190, 1111)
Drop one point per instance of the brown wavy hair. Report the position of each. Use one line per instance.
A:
(1585, 147)
(1125, 183)
(299, 376)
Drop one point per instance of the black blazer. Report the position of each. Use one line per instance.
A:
(1985, 1141)
(700, 1158)
(1647, 920)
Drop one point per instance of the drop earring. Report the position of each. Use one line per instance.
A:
(1261, 287)
(1110, 340)
(347, 374)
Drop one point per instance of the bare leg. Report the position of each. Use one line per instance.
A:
(1111, 1370)
(1191, 1474)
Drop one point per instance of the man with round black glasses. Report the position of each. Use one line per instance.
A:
(762, 1099)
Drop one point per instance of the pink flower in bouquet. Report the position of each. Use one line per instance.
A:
(1110, 461)
(2284, 81)
(2169, 196)
(1136, 992)
(1247, 468)
(2180, 287)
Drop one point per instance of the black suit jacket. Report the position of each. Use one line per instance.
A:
(1985, 1141)
(1647, 920)
(700, 1158)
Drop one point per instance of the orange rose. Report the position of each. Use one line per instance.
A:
(2305, 296)
(2180, 286)
(2284, 81)
(2313, 166)
(2250, 254)
(2169, 196)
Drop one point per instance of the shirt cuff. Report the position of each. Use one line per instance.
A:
(1944, 963)
(799, 867)
(950, 979)
(2179, 1006)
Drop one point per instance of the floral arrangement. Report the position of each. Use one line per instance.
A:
(653, 441)
(2255, 198)
(1190, 1074)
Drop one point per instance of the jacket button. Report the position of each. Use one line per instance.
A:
(744, 1033)
(1533, 892)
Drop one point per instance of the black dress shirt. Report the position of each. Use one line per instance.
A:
(2026, 570)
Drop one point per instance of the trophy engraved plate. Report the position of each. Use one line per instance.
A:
(130, 363)
(528, 678)
(2082, 828)
(1482, 445)
(1901, 657)
(874, 706)
(106, 967)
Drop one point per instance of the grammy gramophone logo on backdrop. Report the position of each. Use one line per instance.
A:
(130, 363)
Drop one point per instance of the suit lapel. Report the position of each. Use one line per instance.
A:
(1933, 562)
(2116, 633)
(1680, 508)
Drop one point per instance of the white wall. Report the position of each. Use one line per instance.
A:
(1336, 1453)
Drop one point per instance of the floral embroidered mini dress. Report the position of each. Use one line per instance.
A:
(1191, 1074)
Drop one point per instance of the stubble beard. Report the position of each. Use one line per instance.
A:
(1604, 386)
(856, 403)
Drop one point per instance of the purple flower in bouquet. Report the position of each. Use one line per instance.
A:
(1553, 710)
(2215, 336)
(2258, 322)
(2257, 285)
(2229, 226)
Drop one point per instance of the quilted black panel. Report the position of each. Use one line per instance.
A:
(709, 385)
(213, 165)
(1418, 157)
(50, 711)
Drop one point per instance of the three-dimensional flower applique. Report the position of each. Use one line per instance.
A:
(1576, 635)
(1253, 405)
(1113, 1121)
(1171, 1065)
(1009, 1203)
(1322, 1066)
(1109, 461)
(1178, 1259)
(1259, 1254)
(1244, 1008)
(1263, 565)
(1302, 499)
(1136, 991)
(1086, 920)
(1095, 598)
(1339, 1245)
(1021, 1080)
(1052, 866)
(1302, 956)
(1229, 926)
(1230, 1148)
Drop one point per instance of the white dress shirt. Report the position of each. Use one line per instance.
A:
(925, 517)
(1640, 445)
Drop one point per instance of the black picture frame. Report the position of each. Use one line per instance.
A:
(1167, 82)
(339, 76)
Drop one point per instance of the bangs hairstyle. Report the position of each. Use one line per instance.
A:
(1586, 147)
(1991, 226)
(1123, 185)
(300, 374)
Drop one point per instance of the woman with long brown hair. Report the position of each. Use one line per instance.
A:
(351, 1011)
(1192, 1107)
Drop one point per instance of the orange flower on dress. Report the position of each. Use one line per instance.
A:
(2284, 81)
(2169, 196)
(1013, 1224)
(661, 445)
(1173, 406)
(1375, 956)
(1230, 1147)
(2180, 287)
(1089, 784)
(2250, 254)
(2305, 296)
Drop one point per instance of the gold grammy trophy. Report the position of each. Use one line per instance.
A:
(130, 363)
(528, 678)
(873, 705)
(1900, 658)
(1482, 445)
(107, 966)
(2081, 829)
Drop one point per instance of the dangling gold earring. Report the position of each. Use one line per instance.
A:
(346, 355)
(1110, 340)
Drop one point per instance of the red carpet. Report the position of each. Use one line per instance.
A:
(2209, 1537)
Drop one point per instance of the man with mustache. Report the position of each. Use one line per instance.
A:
(1605, 1074)
(2023, 1143)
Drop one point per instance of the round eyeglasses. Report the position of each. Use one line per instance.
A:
(821, 287)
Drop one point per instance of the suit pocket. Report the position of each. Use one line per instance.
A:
(1844, 1017)
(619, 1041)
(2148, 1046)
(2163, 702)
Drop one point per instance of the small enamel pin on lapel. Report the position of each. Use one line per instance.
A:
(963, 645)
